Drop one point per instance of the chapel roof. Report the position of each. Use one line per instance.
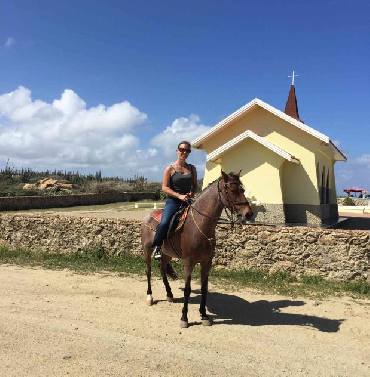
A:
(197, 143)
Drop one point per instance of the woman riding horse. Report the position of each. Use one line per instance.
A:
(179, 183)
(196, 241)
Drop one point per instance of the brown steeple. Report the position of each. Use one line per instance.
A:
(291, 107)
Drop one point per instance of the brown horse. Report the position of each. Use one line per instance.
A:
(195, 243)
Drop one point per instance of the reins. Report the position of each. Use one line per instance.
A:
(229, 206)
(210, 240)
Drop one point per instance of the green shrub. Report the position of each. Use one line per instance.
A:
(348, 201)
(162, 195)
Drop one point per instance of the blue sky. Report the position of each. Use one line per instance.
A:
(169, 69)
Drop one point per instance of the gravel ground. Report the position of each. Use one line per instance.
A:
(58, 323)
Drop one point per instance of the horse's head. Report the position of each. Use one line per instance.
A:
(232, 191)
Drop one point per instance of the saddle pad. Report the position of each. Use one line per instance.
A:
(177, 220)
(156, 215)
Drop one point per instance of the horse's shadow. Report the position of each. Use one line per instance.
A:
(232, 310)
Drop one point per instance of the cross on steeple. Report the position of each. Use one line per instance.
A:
(293, 76)
(291, 106)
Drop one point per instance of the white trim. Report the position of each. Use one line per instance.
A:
(257, 102)
(196, 142)
(250, 134)
(340, 156)
(294, 121)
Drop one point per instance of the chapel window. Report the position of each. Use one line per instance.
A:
(327, 190)
(323, 189)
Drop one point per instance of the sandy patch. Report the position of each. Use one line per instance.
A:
(57, 323)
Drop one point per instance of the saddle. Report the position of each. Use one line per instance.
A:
(177, 220)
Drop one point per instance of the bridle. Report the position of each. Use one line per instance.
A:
(228, 204)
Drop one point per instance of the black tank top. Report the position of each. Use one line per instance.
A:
(181, 183)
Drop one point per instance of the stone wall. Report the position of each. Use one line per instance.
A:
(331, 253)
(32, 202)
(269, 213)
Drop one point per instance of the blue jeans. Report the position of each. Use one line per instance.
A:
(171, 207)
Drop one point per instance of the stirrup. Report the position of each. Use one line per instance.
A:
(157, 255)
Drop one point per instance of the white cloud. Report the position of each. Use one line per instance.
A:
(9, 42)
(65, 133)
(185, 128)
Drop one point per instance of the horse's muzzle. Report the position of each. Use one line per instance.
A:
(246, 217)
(249, 215)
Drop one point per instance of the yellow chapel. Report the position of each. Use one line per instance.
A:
(287, 167)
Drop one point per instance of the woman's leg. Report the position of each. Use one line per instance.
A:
(171, 207)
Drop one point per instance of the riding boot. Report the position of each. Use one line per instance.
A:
(157, 254)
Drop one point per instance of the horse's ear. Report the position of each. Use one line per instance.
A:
(225, 177)
(239, 172)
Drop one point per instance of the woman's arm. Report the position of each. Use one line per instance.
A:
(195, 180)
(166, 185)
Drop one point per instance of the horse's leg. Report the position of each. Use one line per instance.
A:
(204, 272)
(163, 266)
(188, 267)
(148, 260)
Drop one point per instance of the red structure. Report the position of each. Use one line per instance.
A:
(355, 190)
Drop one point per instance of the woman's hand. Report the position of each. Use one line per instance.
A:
(182, 197)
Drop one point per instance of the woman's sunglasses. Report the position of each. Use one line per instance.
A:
(184, 150)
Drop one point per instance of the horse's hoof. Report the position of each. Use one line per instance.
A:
(149, 300)
(207, 322)
(170, 299)
(184, 324)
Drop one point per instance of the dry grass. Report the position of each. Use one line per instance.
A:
(97, 260)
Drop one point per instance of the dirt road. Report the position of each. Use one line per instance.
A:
(122, 210)
(57, 323)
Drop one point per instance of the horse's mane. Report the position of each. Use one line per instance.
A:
(234, 175)
(231, 175)
(207, 188)
(211, 183)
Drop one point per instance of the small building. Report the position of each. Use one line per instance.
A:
(287, 167)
